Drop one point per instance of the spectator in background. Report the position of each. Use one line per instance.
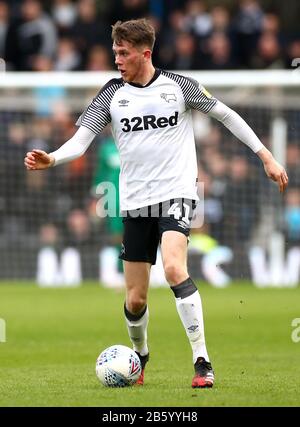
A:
(13, 180)
(185, 56)
(4, 28)
(98, 59)
(170, 6)
(78, 180)
(50, 236)
(240, 201)
(220, 19)
(73, 181)
(128, 9)
(213, 208)
(292, 53)
(209, 142)
(289, 12)
(42, 63)
(293, 163)
(64, 13)
(292, 216)
(247, 24)
(217, 169)
(39, 134)
(46, 97)
(157, 24)
(271, 24)
(89, 30)
(220, 33)
(34, 35)
(62, 124)
(68, 58)
(81, 243)
(219, 53)
(36, 188)
(78, 230)
(268, 53)
(197, 20)
(175, 26)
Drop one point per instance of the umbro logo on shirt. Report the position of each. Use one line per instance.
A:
(123, 103)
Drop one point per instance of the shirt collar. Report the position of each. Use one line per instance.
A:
(155, 76)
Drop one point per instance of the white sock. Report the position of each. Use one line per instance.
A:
(137, 330)
(190, 312)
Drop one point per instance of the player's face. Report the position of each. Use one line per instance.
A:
(130, 60)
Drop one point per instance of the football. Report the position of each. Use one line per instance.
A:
(118, 366)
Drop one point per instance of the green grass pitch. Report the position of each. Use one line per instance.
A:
(55, 335)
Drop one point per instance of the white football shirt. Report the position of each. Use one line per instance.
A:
(152, 127)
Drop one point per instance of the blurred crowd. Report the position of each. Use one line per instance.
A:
(60, 207)
(69, 35)
(238, 196)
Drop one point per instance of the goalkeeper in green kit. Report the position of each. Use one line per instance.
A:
(107, 171)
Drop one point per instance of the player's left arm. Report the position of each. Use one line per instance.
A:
(238, 127)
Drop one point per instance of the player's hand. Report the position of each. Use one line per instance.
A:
(38, 159)
(277, 173)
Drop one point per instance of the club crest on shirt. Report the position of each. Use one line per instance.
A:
(168, 97)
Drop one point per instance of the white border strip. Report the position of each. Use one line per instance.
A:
(283, 78)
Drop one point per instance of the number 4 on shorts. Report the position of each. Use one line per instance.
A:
(176, 212)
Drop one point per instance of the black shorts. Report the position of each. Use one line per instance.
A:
(144, 227)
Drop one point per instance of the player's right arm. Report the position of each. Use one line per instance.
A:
(70, 150)
(91, 122)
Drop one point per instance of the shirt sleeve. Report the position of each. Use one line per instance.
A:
(197, 97)
(237, 126)
(74, 147)
(97, 115)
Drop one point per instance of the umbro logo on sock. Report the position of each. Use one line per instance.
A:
(193, 328)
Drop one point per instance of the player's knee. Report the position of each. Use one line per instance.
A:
(174, 273)
(135, 304)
